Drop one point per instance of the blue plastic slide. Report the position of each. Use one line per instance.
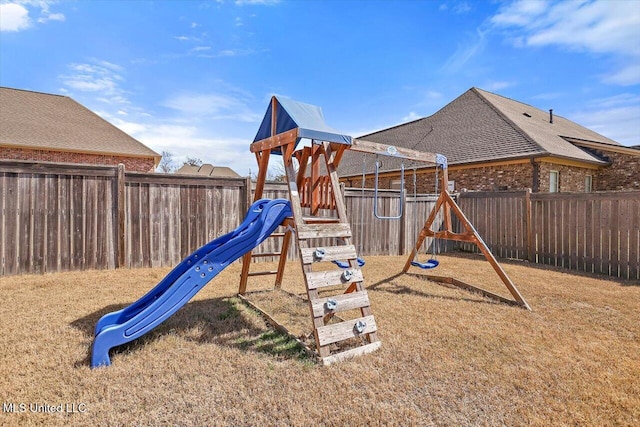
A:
(186, 279)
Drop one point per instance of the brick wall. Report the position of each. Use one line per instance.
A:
(570, 178)
(487, 178)
(493, 178)
(623, 174)
(133, 164)
(496, 178)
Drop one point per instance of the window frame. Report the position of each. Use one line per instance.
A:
(557, 181)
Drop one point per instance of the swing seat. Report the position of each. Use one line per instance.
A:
(344, 264)
(432, 263)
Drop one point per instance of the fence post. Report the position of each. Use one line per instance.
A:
(528, 225)
(120, 217)
(402, 244)
(247, 199)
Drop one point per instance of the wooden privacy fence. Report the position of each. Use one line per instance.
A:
(591, 232)
(73, 217)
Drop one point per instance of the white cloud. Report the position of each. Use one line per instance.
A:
(213, 106)
(13, 17)
(520, 13)
(461, 8)
(616, 117)
(465, 52)
(627, 76)
(497, 85)
(257, 2)
(549, 95)
(97, 76)
(52, 17)
(602, 27)
(186, 141)
(411, 117)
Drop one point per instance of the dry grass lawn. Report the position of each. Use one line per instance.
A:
(447, 358)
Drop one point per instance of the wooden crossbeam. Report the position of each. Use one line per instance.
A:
(275, 141)
(371, 147)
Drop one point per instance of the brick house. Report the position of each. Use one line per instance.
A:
(494, 143)
(209, 170)
(44, 127)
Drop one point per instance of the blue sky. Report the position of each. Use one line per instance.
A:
(195, 77)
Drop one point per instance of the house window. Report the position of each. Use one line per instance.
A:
(554, 177)
(588, 183)
(395, 184)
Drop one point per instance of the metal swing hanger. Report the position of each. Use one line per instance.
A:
(375, 196)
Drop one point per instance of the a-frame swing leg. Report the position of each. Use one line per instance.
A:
(471, 235)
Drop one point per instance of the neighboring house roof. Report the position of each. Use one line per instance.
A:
(605, 147)
(53, 122)
(480, 126)
(208, 170)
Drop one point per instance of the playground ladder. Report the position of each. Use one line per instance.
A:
(335, 290)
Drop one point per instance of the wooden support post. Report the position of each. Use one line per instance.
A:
(120, 217)
(445, 190)
(284, 249)
(263, 167)
(316, 151)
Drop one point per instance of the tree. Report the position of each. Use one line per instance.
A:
(193, 161)
(277, 172)
(167, 164)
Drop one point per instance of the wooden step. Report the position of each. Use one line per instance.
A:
(322, 279)
(332, 253)
(330, 334)
(349, 354)
(265, 254)
(343, 302)
(262, 273)
(313, 231)
(319, 220)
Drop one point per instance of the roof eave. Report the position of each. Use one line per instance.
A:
(503, 160)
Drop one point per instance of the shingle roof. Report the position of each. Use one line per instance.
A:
(208, 169)
(481, 126)
(53, 122)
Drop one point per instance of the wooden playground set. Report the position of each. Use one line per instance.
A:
(314, 215)
(333, 273)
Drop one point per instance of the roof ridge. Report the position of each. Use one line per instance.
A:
(503, 116)
(34, 91)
